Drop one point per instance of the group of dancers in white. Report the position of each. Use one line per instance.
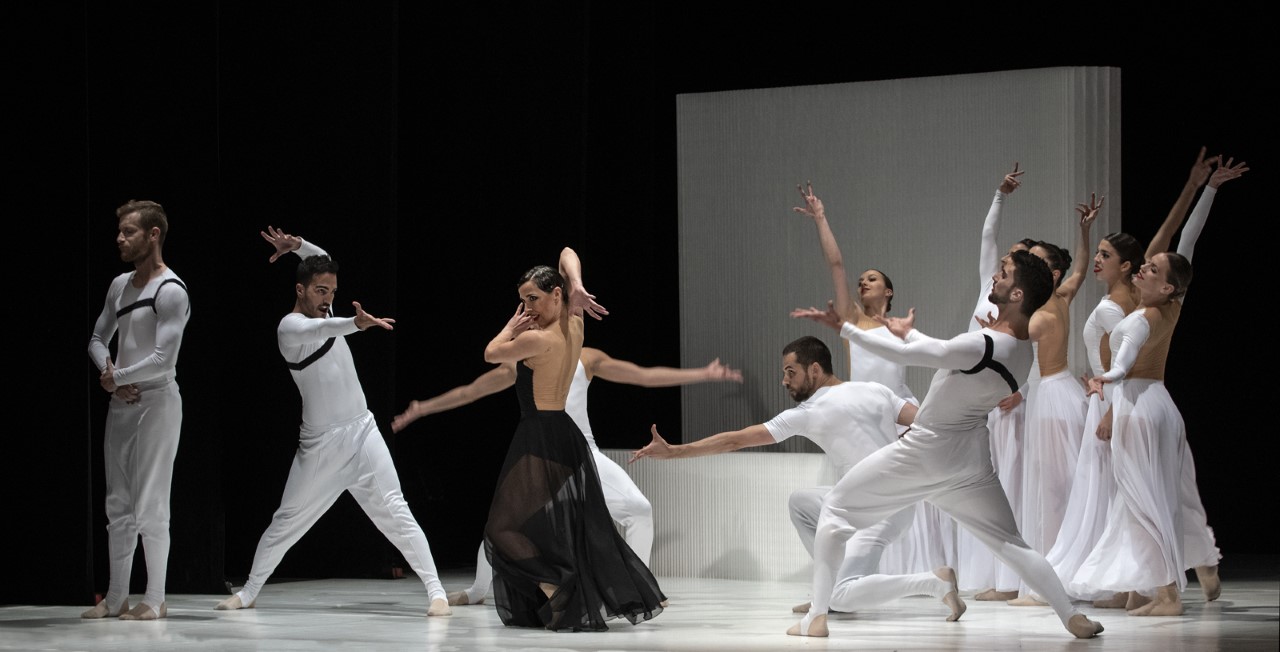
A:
(1063, 491)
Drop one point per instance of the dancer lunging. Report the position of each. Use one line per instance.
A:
(339, 446)
(945, 457)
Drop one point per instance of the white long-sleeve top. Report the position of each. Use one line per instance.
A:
(956, 400)
(988, 262)
(1103, 320)
(150, 335)
(331, 391)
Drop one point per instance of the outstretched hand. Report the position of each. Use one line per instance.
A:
(658, 448)
(580, 299)
(985, 323)
(283, 242)
(1227, 171)
(365, 320)
(402, 420)
(1202, 168)
(899, 326)
(828, 317)
(1089, 212)
(717, 371)
(812, 205)
(1011, 182)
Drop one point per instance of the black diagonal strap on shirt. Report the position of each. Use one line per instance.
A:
(988, 363)
(319, 353)
(152, 300)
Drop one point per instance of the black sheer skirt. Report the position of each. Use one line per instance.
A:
(548, 525)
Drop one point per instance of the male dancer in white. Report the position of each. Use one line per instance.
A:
(945, 457)
(150, 308)
(848, 420)
(627, 505)
(340, 447)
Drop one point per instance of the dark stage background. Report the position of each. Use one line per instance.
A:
(438, 151)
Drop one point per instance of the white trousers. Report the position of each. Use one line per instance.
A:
(347, 457)
(140, 444)
(1156, 525)
(977, 567)
(864, 549)
(950, 470)
(627, 506)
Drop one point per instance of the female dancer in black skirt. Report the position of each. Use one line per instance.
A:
(557, 560)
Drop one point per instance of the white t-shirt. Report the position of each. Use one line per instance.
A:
(849, 421)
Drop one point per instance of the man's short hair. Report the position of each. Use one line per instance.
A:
(312, 266)
(1032, 275)
(150, 215)
(809, 350)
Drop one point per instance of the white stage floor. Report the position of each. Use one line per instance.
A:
(704, 615)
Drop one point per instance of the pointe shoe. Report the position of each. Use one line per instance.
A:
(100, 610)
(1026, 601)
(801, 608)
(144, 612)
(1082, 627)
(439, 607)
(461, 599)
(952, 597)
(818, 627)
(1116, 601)
(664, 604)
(232, 603)
(992, 595)
(1209, 582)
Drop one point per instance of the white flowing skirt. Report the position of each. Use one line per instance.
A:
(1156, 528)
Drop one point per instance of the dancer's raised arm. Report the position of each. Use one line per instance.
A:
(814, 209)
(580, 300)
(1088, 213)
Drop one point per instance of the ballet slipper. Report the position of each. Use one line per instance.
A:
(1166, 603)
(144, 612)
(439, 607)
(1082, 627)
(992, 595)
(100, 610)
(816, 627)
(801, 608)
(952, 597)
(232, 603)
(461, 599)
(664, 603)
(1117, 601)
(1209, 582)
(1026, 601)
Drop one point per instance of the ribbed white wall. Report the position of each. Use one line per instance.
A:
(726, 516)
(907, 169)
